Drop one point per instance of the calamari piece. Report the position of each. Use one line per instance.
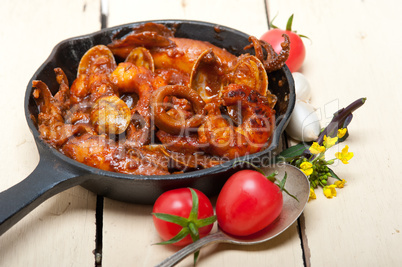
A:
(172, 125)
(224, 138)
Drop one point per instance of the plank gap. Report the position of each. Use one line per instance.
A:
(99, 230)
(104, 13)
(267, 14)
(301, 226)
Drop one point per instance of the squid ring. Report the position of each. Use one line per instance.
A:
(168, 123)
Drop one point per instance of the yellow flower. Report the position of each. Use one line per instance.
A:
(340, 184)
(329, 141)
(341, 132)
(312, 194)
(315, 148)
(307, 168)
(329, 191)
(344, 156)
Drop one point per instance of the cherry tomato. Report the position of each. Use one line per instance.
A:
(247, 203)
(297, 51)
(179, 202)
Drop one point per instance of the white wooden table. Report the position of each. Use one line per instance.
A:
(355, 51)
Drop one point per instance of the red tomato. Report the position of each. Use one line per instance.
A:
(247, 203)
(297, 51)
(179, 202)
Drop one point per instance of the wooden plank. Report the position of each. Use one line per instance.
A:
(129, 236)
(61, 231)
(128, 232)
(246, 16)
(352, 55)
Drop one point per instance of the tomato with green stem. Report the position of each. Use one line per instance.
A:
(248, 202)
(297, 51)
(182, 216)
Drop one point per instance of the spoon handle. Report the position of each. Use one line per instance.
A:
(193, 247)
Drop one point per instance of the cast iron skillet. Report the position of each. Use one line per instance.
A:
(56, 172)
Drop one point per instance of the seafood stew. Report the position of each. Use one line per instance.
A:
(66, 172)
(150, 103)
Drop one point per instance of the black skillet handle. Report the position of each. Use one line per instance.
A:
(49, 178)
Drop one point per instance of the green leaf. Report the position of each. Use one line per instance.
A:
(194, 209)
(289, 24)
(272, 176)
(333, 174)
(282, 183)
(304, 36)
(193, 232)
(190, 225)
(182, 234)
(206, 221)
(282, 186)
(194, 236)
(183, 222)
(196, 254)
(294, 151)
(271, 25)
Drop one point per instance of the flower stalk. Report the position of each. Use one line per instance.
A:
(311, 160)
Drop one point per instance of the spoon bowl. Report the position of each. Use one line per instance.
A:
(297, 184)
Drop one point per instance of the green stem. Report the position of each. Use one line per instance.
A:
(317, 157)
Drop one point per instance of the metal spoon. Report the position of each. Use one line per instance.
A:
(297, 184)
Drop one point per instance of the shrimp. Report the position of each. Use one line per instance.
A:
(129, 78)
(223, 137)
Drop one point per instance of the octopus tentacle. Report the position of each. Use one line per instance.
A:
(272, 61)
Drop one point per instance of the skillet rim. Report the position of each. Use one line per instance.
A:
(222, 168)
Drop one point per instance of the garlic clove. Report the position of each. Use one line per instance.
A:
(304, 124)
(302, 87)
